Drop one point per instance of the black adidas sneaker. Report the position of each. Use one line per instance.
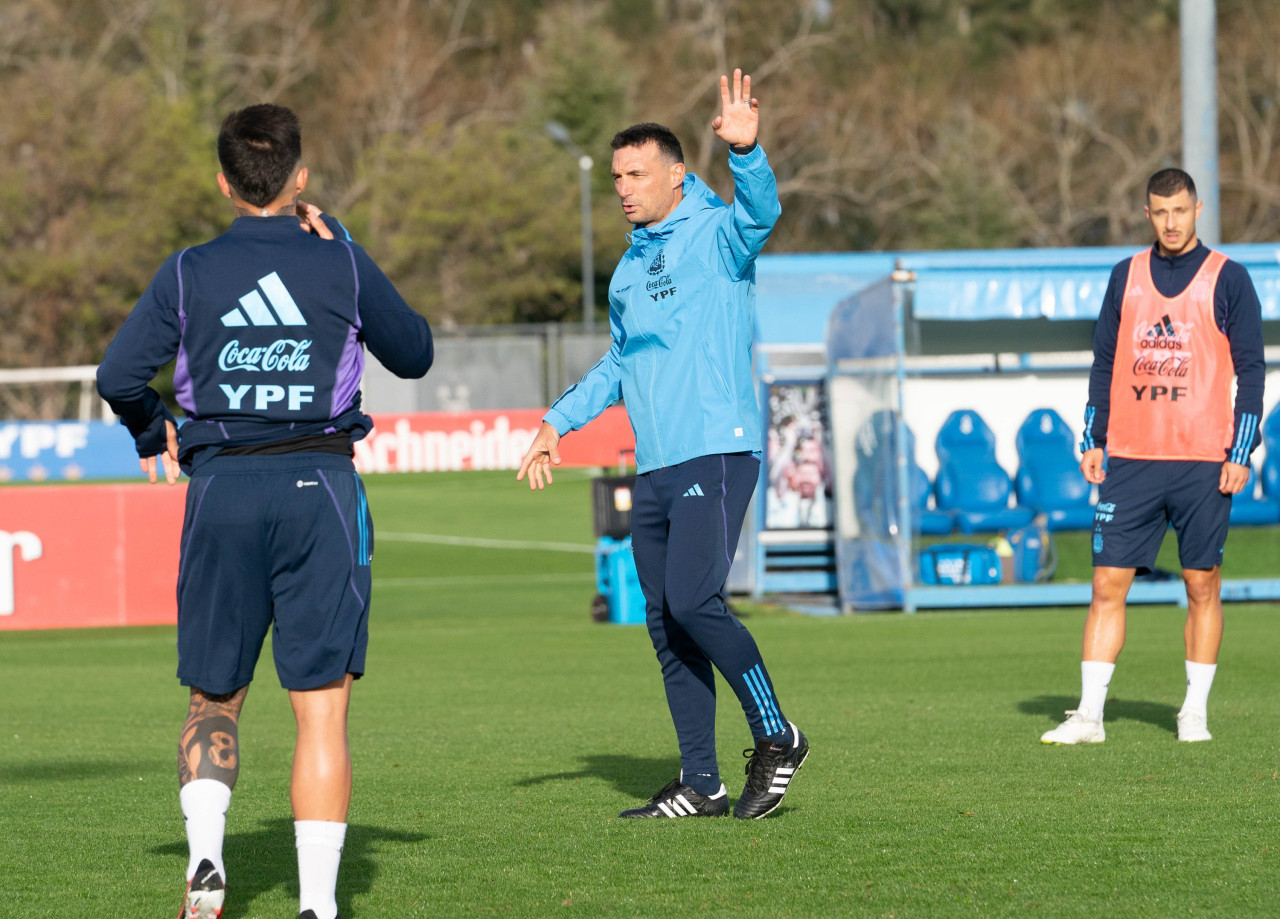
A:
(770, 769)
(679, 800)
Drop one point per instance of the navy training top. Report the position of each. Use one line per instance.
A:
(267, 324)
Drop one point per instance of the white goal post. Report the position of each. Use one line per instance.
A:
(83, 375)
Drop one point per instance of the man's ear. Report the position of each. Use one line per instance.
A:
(677, 175)
(300, 181)
(224, 186)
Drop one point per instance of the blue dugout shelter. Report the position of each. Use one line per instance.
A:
(843, 336)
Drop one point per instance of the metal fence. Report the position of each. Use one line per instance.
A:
(480, 368)
(476, 368)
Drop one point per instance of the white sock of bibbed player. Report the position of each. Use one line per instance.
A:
(1095, 677)
(204, 805)
(319, 853)
(1199, 681)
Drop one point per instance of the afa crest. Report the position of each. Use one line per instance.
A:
(659, 262)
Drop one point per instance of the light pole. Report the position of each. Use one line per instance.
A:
(560, 134)
(1198, 26)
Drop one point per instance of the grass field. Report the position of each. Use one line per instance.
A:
(499, 732)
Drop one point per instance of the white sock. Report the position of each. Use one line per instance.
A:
(204, 805)
(1199, 681)
(319, 852)
(1095, 677)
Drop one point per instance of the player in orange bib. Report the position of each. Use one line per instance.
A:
(1178, 323)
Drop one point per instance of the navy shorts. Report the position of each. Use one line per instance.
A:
(284, 539)
(1139, 499)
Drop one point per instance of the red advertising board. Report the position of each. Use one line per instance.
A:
(75, 556)
(89, 555)
(451, 441)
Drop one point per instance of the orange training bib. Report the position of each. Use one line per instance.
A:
(1171, 382)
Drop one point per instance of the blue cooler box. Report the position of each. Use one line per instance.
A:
(617, 582)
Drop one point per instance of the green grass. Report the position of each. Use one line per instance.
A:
(499, 732)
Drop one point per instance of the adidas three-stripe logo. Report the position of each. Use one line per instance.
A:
(695, 491)
(782, 780)
(678, 806)
(257, 310)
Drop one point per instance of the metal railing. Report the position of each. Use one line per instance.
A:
(477, 368)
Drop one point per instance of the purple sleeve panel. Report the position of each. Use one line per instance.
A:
(355, 274)
(346, 382)
(350, 368)
(183, 390)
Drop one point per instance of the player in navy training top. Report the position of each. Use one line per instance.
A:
(268, 325)
(1179, 323)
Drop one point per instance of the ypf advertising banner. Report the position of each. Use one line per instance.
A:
(65, 451)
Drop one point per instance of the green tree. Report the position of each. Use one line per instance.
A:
(100, 181)
(485, 228)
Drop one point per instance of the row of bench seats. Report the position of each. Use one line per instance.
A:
(971, 492)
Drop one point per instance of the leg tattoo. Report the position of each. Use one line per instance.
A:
(210, 744)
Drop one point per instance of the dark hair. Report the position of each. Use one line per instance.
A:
(1168, 182)
(259, 147)
(647, 132)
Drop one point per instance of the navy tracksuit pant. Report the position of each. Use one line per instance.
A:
(685, 523)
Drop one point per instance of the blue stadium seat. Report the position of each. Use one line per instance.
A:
(1271, 429)
(875, 481)
(1049, 479)
(1251, 510)
(971, 485)
(1271, 475)
(1271, 465)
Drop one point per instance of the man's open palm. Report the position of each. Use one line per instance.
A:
(739, 118)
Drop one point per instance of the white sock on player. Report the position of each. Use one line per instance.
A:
(319, 853)
(1095, 677)
(204, 805)
(1199, 681)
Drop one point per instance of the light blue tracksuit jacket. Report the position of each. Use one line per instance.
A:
(682, 317)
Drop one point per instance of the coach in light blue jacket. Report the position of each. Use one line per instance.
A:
(681, 305)
(681, 314)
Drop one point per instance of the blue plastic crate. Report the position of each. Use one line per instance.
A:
(617, 581)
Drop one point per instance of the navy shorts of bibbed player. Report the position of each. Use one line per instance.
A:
(280, 542)
(1140, 499)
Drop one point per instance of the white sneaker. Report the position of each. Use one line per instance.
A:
(1193, 726)
(1080, 727)
(205, 893)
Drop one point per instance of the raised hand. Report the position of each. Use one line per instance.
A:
(739, 118)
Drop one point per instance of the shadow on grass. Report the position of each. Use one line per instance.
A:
(635, 776)
(63, 771)
(264, 859)
(1154, 713)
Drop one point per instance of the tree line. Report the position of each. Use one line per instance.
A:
(891, 124)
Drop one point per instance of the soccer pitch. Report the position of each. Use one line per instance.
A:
(499, 732)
